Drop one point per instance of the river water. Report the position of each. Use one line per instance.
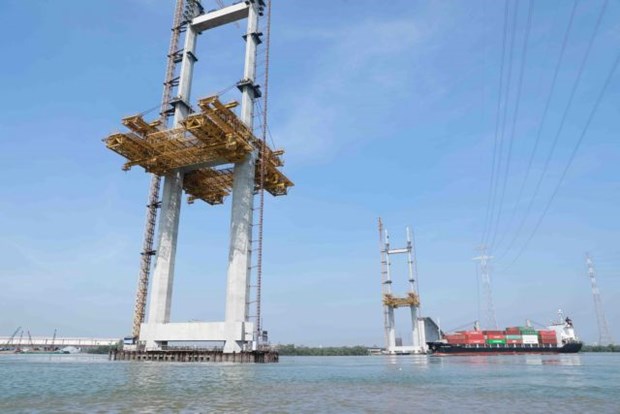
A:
(581, 383)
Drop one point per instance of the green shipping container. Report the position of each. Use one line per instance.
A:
(496, 341)
(528, 332)
(513, 336)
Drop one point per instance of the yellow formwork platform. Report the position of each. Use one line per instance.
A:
(396, 302)
(213, 137)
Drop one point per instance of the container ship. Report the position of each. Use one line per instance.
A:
(558, 338)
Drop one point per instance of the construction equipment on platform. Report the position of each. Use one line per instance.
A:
(215, 135)
(411, 299)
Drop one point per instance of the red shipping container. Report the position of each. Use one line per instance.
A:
(549, 341)
(514, 341)
(493, 332)
(496, 336)
(549, 333)
(475, 341)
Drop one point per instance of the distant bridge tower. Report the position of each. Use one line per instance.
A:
(391, 302)
(487, 291)
(604, 337)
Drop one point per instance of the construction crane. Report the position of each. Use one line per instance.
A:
(260, 335)
(8, 343)
(604, 337)
(171, 82)
(30, 339)
(19, 343)
(53, 339)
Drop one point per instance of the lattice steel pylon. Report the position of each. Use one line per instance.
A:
(487, 291)
(147, 253)
(604, 337)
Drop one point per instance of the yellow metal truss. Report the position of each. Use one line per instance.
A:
(214, 136)
(411, 299)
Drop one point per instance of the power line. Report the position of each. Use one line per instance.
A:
(570, 160)
(497, 114)
(514, 119)
(503, 129)
(565, 113)
(540, 126)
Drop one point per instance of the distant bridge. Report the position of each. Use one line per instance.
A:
(46, 341)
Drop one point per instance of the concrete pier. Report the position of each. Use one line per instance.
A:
(192, 355)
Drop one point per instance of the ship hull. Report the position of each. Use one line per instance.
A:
(442, 348)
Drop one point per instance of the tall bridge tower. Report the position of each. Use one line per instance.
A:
(391, 302)
(208, 153)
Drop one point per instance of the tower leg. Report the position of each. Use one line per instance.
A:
(391, 337)
(163, 276)
(415, 336)
(239, 257)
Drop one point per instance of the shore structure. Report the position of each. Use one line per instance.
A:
(208, 153)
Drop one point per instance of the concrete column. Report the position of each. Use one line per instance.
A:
(239, 257)
(163, 274)
(391, 331)
(415, 333)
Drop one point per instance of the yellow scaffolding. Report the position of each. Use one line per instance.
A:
(411, 299)
(213, 137)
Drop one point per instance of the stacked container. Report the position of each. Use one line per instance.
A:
(547, 337)
(457, 338)
(515, 335)
(495, 337)
(474, 337)
(513, 338)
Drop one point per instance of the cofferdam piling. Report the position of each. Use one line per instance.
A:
(189, 355)
(208, 153)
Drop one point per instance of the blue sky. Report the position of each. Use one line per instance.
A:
(383, 111)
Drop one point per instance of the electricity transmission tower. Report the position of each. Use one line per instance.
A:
(487, 292)
(604, 337)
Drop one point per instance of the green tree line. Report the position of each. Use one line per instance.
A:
(601, 348)
(291, 349)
